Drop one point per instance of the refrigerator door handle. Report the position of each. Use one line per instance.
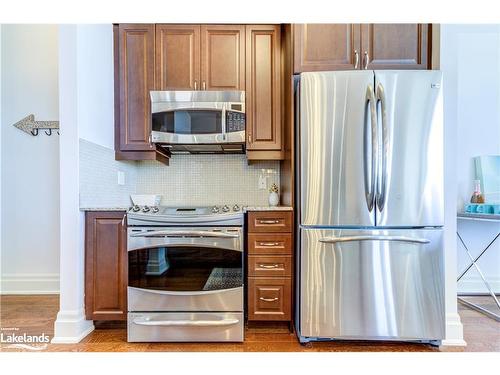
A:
(374, 238)
(382, 176)
(370, 140)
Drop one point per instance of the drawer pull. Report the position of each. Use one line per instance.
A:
(269, 299)
(269, 244)
(269, 221)
(269, 266)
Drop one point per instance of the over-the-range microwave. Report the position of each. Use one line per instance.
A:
(199, 122)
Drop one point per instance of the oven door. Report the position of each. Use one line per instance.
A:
(185, 269)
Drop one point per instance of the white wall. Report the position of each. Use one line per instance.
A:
(474, 64)
(95, 84)
(30, 169)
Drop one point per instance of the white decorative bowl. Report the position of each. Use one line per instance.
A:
(146, 199)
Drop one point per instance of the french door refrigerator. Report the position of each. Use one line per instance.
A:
(370, 222)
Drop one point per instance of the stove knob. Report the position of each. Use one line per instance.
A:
(136, 208)
(145, 209)
(236, 207)
(155, 209)
(215, 209)
(225, 208)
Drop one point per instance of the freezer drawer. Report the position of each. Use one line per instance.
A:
(177, 327)
(372, 284)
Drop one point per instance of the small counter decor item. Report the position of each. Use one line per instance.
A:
(274, 198)
(477, 197)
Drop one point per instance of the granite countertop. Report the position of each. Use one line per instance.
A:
(245, 209)
(122, 208)
(267, 208)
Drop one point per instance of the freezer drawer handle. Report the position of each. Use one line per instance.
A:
(269, 299)
(373, 238)
(174, 233)
(184, 323)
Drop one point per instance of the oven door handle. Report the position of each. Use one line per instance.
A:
(184, 233)
(186, 323)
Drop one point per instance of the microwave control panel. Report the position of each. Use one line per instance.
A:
(235, 121)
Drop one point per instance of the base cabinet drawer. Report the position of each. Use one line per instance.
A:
(269, 299)
(270, 221)
(269, 244)
(269, 266)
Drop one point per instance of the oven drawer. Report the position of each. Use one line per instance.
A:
(269, 244)
(269, 299)
(177, 327)
(159, 300)
(269, 265)
(270, 221)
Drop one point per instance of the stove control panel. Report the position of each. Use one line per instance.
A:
(151, 210)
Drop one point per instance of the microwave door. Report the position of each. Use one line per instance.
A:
(188, 125)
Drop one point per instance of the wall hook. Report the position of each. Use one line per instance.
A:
(34, 132)
(49, 133)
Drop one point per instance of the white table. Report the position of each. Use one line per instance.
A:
(479, 218)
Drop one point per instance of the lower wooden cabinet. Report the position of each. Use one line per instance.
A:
(105, 265)
(269, 298)
(270, 266)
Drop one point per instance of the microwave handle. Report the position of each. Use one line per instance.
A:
(223, 119)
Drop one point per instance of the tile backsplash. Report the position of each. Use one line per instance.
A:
(99, 177)
(201, 180)
(189, 180)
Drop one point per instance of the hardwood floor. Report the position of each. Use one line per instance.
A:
(36, 315)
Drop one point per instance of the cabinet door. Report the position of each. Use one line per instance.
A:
(323, 47)
(395, 46)
(222, 57)
(136, 70)
(177, 57)
(105, 266)
(263, 98)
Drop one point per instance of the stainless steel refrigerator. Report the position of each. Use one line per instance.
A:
(370, 220)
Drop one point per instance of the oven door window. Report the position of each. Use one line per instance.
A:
(189, 122)
(185, 269)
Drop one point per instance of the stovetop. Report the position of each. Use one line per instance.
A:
(183, 211)
(163, 215)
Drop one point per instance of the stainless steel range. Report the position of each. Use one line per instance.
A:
(185, 274)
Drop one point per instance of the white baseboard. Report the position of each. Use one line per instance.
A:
(454, 332)
(71, 327)
(474, 284)
(29, 283)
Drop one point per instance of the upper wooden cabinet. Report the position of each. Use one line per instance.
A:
(320, 47)
(222, 57)
(136, 75)
(395, 46)
(263, 92)
(200, 57)
(177, 57)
